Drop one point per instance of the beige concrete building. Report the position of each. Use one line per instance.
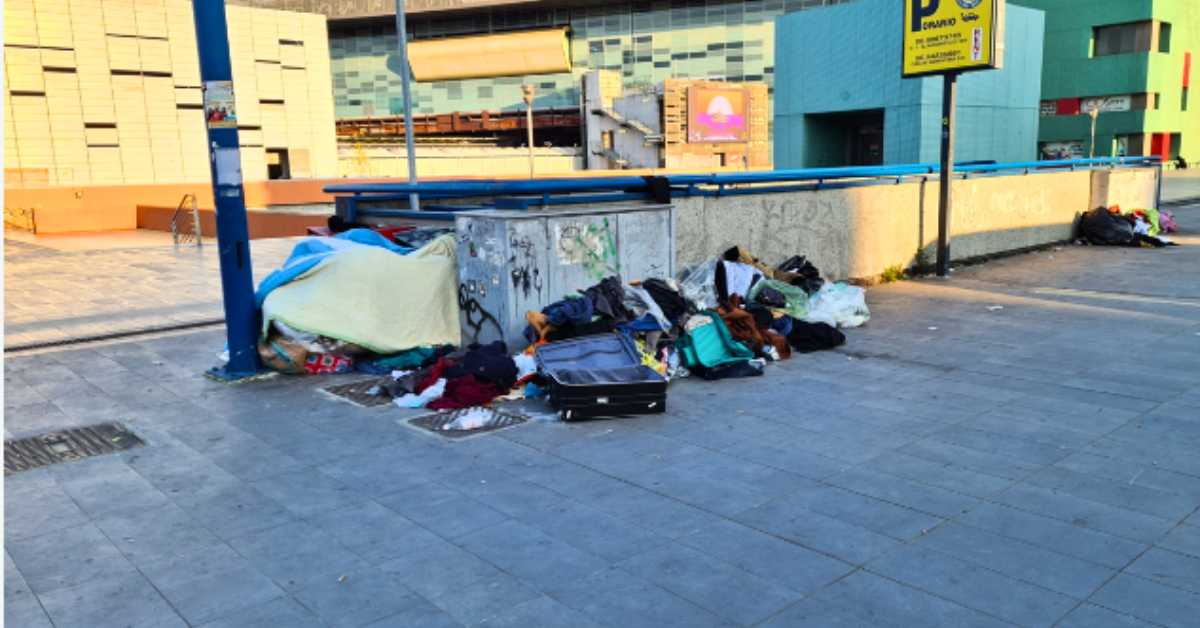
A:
(107, 92)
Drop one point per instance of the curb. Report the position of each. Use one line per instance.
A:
(113, 335)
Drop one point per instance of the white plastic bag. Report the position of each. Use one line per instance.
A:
(471, 419)
(839, 305)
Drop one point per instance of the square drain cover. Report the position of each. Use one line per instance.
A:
(74, 444)
(455, 424)
(358, 393)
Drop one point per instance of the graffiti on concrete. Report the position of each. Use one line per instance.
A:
(592, 246)
(526, 276)
(475, 317)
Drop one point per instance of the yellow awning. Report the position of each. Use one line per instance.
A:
(487, 56)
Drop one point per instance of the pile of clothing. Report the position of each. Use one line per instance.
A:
(725, 318)
(467, 378)
(755, 313)
(1137, 227)
(335, 304)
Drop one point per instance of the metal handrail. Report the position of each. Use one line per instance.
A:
(542, 192)
(559, 186)
(187, 202)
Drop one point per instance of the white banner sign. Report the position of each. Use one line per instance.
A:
(1106, 104)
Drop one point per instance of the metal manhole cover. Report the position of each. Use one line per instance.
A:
(451, 423)
(359, 393)
(84, 442)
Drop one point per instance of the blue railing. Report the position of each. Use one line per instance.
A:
(355, 201)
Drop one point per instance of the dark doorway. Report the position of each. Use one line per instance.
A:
(277, 164)
(848, 138)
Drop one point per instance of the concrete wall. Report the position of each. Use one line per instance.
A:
(114, 208)
(858, 232)
(1131, 189)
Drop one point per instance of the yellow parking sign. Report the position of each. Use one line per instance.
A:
(943, 36)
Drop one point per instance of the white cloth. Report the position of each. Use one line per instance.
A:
(435, 391)
(526, 365)
(739, 277)
(639, 300)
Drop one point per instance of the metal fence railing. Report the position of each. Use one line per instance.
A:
(442, 199)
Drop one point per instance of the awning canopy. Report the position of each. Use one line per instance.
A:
(486, 56)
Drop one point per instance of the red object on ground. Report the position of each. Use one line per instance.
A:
(465, 392)
(390, 231)
(1068, 106)
(1187, 69)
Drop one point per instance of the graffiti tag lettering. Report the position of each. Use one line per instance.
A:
(474, 315)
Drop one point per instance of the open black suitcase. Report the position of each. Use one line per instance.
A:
(598, 376)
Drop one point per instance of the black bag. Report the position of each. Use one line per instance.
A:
(1101, 226)
(809, 278)
(771, 297)
(809, 337)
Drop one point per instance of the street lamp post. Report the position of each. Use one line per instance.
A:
(1094, 113)
(414, 203)
(528, 90)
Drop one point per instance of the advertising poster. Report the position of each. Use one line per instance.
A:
(952, 36)
(219, 110)
(717, 114)
(1107, 104)
(1071, 149)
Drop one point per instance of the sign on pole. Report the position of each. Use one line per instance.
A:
(233, 239)
(952, 36)
(949, 37)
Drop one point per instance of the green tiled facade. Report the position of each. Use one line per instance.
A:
(1072, 70)
(645, 41)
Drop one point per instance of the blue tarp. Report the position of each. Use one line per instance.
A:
(312, 251)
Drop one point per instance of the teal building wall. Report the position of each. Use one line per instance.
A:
(646, 41)
(847, 58)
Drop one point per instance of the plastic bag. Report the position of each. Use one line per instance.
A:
(698, 284)
(797, 298)
(1166, 221)
(839, 305)
(1101, 226)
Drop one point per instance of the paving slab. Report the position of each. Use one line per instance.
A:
(901, 480)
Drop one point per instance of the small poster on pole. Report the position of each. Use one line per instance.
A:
(219, 108)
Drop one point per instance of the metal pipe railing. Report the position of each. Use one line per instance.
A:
(546, 191)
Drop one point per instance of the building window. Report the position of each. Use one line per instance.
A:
(1164, 37)
(1118, 39)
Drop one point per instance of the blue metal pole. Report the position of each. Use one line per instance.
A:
(233, 238)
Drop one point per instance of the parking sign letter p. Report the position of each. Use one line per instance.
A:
(922, 9)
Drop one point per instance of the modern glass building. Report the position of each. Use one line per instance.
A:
(1134, 61)
(646, 41)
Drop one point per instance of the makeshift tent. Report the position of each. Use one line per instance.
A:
(374, 298)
